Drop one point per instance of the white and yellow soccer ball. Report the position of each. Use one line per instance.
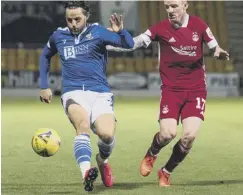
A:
(46, 142)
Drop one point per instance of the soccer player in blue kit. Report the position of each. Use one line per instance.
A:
(86, 95)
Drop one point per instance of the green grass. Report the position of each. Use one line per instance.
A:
(213, 167)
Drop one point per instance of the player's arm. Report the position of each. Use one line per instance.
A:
(212, 43)
(118, 37)
(142, 40)
(45, 61)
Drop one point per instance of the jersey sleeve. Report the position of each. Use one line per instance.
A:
(208, 36)
(150, 35)
(45, 60)
(153, 31)
(139, 41)
(51, 44)
(121, 39)
(142, 40)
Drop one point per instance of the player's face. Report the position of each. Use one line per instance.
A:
(76, 20)
(176, 10)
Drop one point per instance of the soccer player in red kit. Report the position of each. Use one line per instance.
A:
(183, 89)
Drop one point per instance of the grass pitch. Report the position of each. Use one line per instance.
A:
(214, 166)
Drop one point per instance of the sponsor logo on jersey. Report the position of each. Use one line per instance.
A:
(188, 50)
(172, 40)
(73, 51)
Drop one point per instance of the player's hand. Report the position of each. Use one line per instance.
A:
(46, 95)
(110, 29)
(221, 54)
(116, 23)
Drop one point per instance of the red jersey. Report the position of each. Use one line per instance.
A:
(181, 52)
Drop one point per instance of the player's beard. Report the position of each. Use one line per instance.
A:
(77, 31)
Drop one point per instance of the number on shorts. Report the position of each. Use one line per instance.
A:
(200, 104)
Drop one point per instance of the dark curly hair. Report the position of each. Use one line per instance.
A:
(77, 4)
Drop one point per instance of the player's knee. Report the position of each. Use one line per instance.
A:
(106, 137)
(106, 133)
(105, 129)
(168, 129)
(83, 127)
(188, 139)
(167, 134)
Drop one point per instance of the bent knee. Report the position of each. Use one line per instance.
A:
(168, 129)
(105, 129)
(83, 127)
(106, 133)
(187, 140)
(106, 137)
(167, 134)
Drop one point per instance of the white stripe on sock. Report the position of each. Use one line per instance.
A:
(166, 171)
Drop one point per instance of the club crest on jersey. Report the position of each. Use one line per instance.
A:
(165, 109)
(89, 36)
(195, 36)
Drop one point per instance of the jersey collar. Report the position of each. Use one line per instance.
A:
(83, 31)
(185, 23)
(85, 28)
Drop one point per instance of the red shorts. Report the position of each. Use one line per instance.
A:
(181, 104)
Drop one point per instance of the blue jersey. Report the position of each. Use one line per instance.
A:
(83, 57)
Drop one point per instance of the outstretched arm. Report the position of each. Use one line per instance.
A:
(142, 40)
(119, 37)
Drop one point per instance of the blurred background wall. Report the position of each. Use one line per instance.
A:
(26, 27)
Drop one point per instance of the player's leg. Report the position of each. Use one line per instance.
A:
(191, 116)
(168, 131)
(104, 123)
(191, 126)
(77, 110)
(169, 115)
(105, 129)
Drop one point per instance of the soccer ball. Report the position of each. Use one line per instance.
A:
(46, 142)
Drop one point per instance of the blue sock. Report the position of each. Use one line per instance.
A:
(83, 152)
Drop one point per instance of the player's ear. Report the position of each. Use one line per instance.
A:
(186, 5)
(87, 16)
